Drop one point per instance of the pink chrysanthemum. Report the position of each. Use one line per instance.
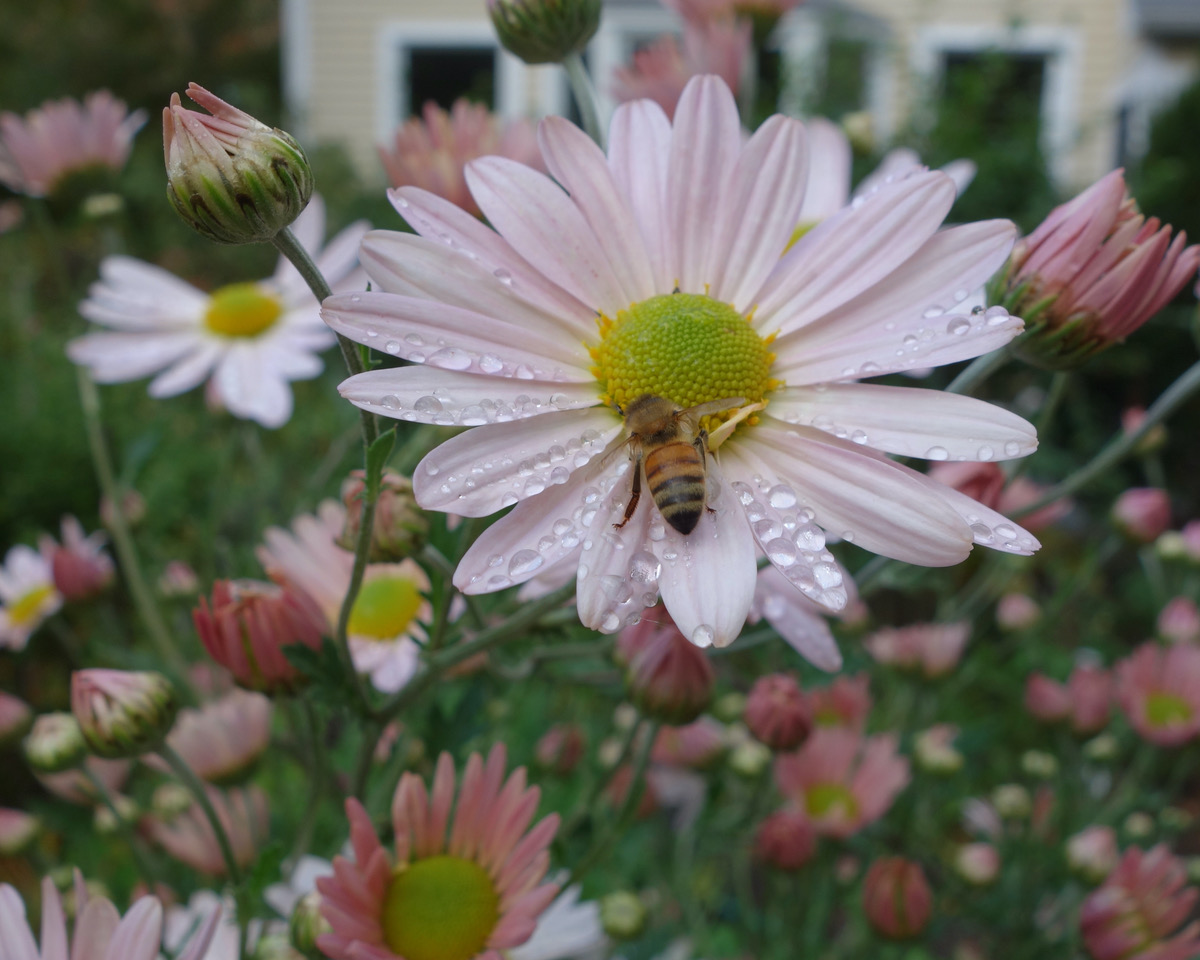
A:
(461, 888)
(221, 739)
(63, 137)
(846, 702)
(80, 565)
(190, 839)
(430, 151)
(842, 780)
(660, 270)
(932, 648)
(1159, 690)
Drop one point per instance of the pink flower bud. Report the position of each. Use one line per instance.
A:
(248, 626)
(122, 714)
(399, 528)
(178, 580)
(17, 830)
(777, 712)
(786, 840)
(932, 648)
(896, 898)
(669, 677)
(561, 748)
(977, 863)
(1092, 853)
(696, 745)
(80, 566)
(15, 718)
(1017, 611)
(844, 703)
(1047, 699)
(1142, 513)
(1179, 621)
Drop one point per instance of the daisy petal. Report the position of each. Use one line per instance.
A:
(639, 145)
(118, 357)
(617, 575)
(540, 533)
(704, 150)
(497, 465)
(910, 318)
(777, 601)
(187, 372)
(852, 251)
(761, 210)
(830, 160)
(575, 161)
(428, 395)
(545, 227)
(453, 339)
(708, 575)
(875, 501)
(908, 421)
(251, 389)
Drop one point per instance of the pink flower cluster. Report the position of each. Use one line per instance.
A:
(1084, 700)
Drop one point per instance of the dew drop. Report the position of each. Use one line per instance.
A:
(450, 358)
(781, 497)
(502, 275)
(781, 552)
(372, 334)
(392, 347)
(610, 624)
(431, 468)
(415, 339)
(1012, 449)
(559, 475)
(524, 372)
(1005, 531)
(985, 453)
(858, 437)
(534, 486)
(561, 526)
(982, 532)
(937, 453)
(810, 538)
(827, 575)
(767, 529)
(703, 635)
(524, 562)
(495, 559)
(428, 405)
(644, 567)
(472, 415)
(958, 326)
(931, 314)
(508, 500)
(490, 364)
(391, 401)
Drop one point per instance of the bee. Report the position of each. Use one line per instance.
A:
(671, 448)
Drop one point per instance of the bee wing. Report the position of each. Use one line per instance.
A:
(713, 406)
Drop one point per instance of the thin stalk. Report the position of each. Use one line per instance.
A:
(1123, 444)
(317, 785)
(585, 96)
(143, 599)
(583, 808)
(362, 547)
(1054, 398)
(979, 370)
(149, 874)
(198, 790)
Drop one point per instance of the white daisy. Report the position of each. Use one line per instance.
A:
(251, 338)
(569, 929)
(27, 595)
(660, 269)
(387, 624)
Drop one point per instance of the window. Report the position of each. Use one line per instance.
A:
(443, 74)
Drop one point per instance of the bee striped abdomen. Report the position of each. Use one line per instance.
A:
(675, 476)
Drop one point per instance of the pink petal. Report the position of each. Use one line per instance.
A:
(54, 924)
(829, 160)
(794, 618)
(15, 934)
(94, 930)
(639, 145)
(138, 936)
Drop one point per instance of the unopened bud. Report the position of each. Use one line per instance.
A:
(122, 714)
(977, 863)
(1138, 825)
(17, 830)
(786, 840)
(778, 713)
(400, 526)
(1092, 853)
(544, 31)
(275, 946)
(170, 799)
(1039, 763)
(896, 898)
(230, 177)
(749, 759)
(106, 822)
(55, 743)
(668, 677)
(15, 718)
(1103, 747)
(306, 925)
(1012, 801)
(622, 915)
(934, 751)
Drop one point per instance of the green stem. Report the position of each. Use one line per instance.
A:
(979, 370)
(308, 820)
(1121, 446)
(585, 96)
(143, 599)
(150, 875)
(583, 808)
(198, 790)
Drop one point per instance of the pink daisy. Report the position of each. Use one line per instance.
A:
(456, 889)
(660, 270)
(190, 839)
(842, 780)
(1159, 690)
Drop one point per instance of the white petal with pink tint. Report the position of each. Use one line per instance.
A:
(829, 162)
(759, 211)
(908, 421)
(708, 575)
(639, 146)
(428, 395)
(852, 251)
(545, 227)
(580, 166)
(851, 492)
(495, 466)
(451, 338)
(117, 357)
(794, 618)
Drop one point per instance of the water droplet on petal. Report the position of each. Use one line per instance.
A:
(781, 552)
(703, 635)
(780, 496)
(428, 405)
(524, 562)
(958, 326)
(985, 453)
(937, 453)
(450, 358)
(490, 364)
(392, 347)
(502, 275)
(610, 624)
(644, 567)
(1012, 449)
(931, 314)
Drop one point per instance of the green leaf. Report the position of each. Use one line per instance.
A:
(377, 455)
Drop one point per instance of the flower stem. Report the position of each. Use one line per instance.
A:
(1120, 447)
(980, 369)
(149, 874)
(200, 792)
(143, 599)
(585, 96)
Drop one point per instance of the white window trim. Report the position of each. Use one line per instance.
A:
(396, 37)
(614, 43)
(1063, 49)
(296, 55)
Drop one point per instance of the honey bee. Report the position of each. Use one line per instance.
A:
(671, 448)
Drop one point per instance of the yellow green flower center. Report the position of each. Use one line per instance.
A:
(685, 347)
(440, 908)
(831, 800)
(242, 310)
(1167, 709)
(27, 606)
(385, 608)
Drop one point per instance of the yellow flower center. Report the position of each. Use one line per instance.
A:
(831, 800)
(440, 908)
(26, 608)
(242, 310)
(685, 347)
(384, 608)
(1167, 710)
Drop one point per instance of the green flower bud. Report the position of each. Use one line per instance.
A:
(232, 178)
(55, 744)
(306, 925)
(544, 31)
(622, 915)
(122, 714)
(400, 526)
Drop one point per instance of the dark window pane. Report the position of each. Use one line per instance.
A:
(443, 74)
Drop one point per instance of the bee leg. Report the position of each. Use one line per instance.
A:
(635, 494)
(701, 445)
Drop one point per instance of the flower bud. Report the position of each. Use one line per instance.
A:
(778, 713)
(623, 915)
(1039, 763)
(400, 526)
(275, 946)
(55, 743)
(122, 714)
(248, 627)
(1142, 513)
(1017, 611)
(81, 567)
(669, 678)
(786, 840)
(178, 579)
(560, 749)
(1179, 621)
(232, 178)
(170, 799)
(896, 898)
(1012, 801)
(1092, 853)
(977, 863)
(105, 822)
(306, 925)
(1138, 825)
(15, 718)
(1103, 747)
(544, 31)
(17, 830)
(749, 759)
(934, 752)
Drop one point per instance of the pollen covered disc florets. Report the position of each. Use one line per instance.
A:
(242, 310)
(686, 347)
